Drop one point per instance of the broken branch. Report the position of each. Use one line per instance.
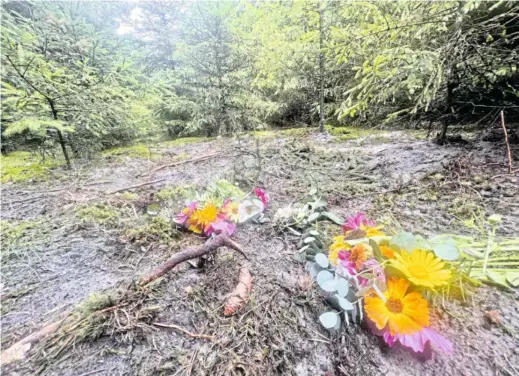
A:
(190, 253)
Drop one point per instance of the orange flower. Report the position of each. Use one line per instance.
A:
(360, 253)
(404, 314)
(387, 252)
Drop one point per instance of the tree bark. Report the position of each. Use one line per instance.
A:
(321, 72)
(60, 135)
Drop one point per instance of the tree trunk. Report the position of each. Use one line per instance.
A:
(321, 73)
(60, 135)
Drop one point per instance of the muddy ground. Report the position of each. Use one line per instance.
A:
(59, 257)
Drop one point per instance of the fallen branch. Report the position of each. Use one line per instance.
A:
(508, 152)
(190, 253)
(240, 295)
(197, 159)
(172, 326)
(137, 186)
(20, 348)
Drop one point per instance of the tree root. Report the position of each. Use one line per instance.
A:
(240, 295)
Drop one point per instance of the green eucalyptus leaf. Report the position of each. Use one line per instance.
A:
(313, 217)
(322, 260)
(329, 286)
(329, 319)
(447, 252)
(324, 276)
(343, 287)
(344, 303)
(333, 218)
(405, 241)
(314, 270)
(309, 239)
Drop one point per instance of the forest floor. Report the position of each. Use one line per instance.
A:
(75, 234)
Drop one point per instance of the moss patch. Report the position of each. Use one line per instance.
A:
(102, 214)
(22, 166)
(133, 151)
(156, 229)
(13, 231)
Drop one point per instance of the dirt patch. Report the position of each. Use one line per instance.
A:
(402, 180)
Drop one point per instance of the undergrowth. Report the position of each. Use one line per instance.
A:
(23, 166)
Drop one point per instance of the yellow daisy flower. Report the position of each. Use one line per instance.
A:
(372, 231)
(202, 218)
(422, 268)
(403, 314)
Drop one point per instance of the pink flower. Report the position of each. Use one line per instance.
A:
(355, 222)
(184, 215)
(346, 263)
(418, 340)
(221, 227)
(262, 195)
(370, 266)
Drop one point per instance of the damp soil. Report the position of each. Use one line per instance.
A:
(395, 177)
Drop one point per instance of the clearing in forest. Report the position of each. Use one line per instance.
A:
(76, 248)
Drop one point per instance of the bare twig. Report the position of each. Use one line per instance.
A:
(197, 159)
(508, 152)
(137, 186)
(173, 326)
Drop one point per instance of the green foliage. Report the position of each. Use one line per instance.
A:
(13, 231)
(23, 166)
(102, 214)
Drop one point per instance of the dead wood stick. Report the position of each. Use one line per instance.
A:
(508, 152)
(137, 186)
(180, 329)
(197, 159)
(20, 348)
(190, 253)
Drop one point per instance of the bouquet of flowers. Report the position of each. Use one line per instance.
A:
(384, 281)
(210, 219)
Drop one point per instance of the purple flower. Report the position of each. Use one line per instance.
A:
(262, 195)
(355, 222)
(418, 340)
(221, 227)
(184, 215)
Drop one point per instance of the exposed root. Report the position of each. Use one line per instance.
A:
(240, 295)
